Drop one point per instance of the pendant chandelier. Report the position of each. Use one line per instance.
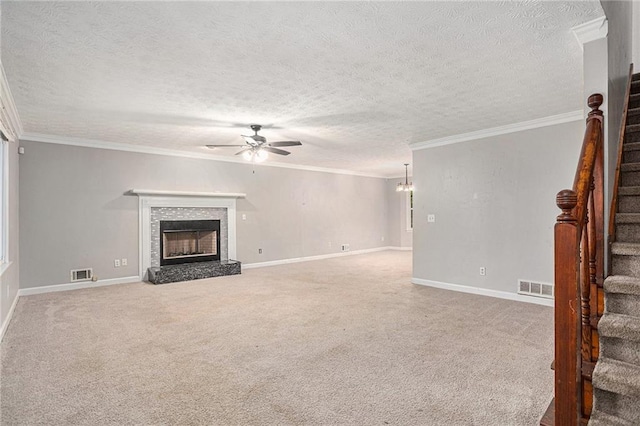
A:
(406, 186)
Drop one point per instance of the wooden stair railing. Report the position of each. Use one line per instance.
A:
(579, 272)
(614, 199)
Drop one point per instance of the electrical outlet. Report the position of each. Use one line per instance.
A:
(345, 247)
(124, 262)
(244, 216)
(483, 271)
(116, 263)
(259, 251)
(431, 218)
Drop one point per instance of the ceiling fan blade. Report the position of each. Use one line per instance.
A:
(242, 151)
(223, 146)
(276, 150)
(286, 143)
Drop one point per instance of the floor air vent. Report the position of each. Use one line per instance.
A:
(532, 288)
(81, 274)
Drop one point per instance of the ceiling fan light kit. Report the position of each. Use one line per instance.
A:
(255, 155)
(406, 186)
(257, 149)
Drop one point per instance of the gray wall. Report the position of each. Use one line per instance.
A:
(619, 49)
(636, 36)
(397, 215)
(74, 214)
(494, 201)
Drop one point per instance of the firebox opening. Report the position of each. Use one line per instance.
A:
(186, 241)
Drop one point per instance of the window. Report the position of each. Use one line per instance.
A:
(409, 210)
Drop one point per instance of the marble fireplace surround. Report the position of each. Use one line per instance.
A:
(151, 199)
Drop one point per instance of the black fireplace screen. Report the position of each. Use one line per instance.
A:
(186, 241)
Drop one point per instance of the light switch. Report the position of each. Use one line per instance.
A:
(244, 216)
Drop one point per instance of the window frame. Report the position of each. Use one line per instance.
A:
(409, 211)
(5, 259)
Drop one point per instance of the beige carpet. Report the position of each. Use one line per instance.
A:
(345, 341)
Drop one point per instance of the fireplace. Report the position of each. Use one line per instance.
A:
(188, 241)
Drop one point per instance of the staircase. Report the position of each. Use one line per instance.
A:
(616, 377)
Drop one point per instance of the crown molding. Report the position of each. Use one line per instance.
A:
(592, 30)
(144, 149)
(501, 130)
(9, 111)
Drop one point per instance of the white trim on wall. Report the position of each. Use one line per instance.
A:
(94, 143)
(75, 286)
(146, 202)
(483, 292)
(9, 110)
(9, 316)
(319, 257)
(592, 30)
(501, 130)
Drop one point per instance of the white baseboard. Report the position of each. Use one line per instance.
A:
(7, 320)
(75, 286)
(400, 248)
(309, 258)
(484, 292)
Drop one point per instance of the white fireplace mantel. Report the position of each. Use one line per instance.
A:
(162, 193)
(150, 198)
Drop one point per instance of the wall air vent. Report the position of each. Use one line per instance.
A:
(81, 274)
(532, 288)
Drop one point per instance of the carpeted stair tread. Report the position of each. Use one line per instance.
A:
(626, 249)
(622, 284)
(630, 167)
(617, 377)
(603, 419)
(629, 190)
(635, 146)
(632, 137)
(628, 217)
(620, 326)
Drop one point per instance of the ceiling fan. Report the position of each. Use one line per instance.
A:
(256, 147)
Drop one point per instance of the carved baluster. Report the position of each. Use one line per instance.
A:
(585, 287)
(567, 270)
(593, 252)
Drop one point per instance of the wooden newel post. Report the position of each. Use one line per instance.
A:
(594, 103)
(566, 200)
(567, 308)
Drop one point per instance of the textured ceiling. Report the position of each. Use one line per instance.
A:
(354, 81)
